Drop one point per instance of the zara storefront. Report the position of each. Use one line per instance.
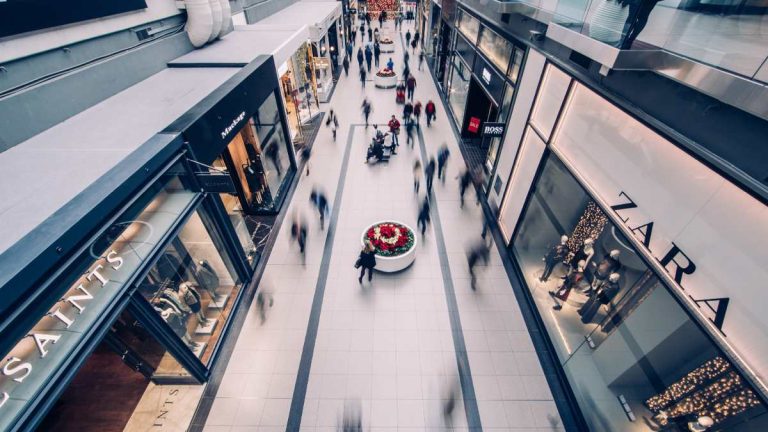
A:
(115, 326)
(645, 266)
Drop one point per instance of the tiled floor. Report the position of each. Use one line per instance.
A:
(389, 345)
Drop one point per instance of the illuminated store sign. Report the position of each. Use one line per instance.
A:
(48, 342)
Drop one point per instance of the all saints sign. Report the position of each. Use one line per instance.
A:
(46, 343)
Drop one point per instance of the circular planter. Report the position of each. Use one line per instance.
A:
(387, 47)
(385, 82)
(391, 264)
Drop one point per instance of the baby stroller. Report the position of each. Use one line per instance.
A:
(400, 94)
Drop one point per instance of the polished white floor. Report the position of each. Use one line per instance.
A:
(387, 345)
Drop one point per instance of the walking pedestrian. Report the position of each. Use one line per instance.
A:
(429, 110)
(394, 129)
(417, 112)
(409, 131)
(334, 127)
(345, 63)
(407, 111)
(413, 45)
(424, 218)
(362, 76)
(319, 200)
(465, 179)
(299, 233)
(354, 36)
(360, 57)
(416, 175)
(407, 38)
(349, 48)
(416, 36)
(450, 404)
(410, 85)
(264, 300)
(370, 33)
(442, 162)
(477, 182)
(429, 174)
(366, 261)
(368, 57)
(305, 154)
(366, 108)
(421, 58)
(480, 251)
(376, 53)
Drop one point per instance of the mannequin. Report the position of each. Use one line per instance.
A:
(173, 296)
(605, 292)
(609, 264)
(207, 277)
(555, 255)
(177, 323)
(191, 297)
(574, 280)
(584, 254)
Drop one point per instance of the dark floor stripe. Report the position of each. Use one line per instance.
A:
(462, 360)
(302, 378)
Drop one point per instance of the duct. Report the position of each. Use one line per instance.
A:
(199, 21)
(216, 12)
(226, 18)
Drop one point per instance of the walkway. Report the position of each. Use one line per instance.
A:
(398, 345)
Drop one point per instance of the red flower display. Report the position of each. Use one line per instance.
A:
(390, 239)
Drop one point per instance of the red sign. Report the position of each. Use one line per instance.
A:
(474, 124)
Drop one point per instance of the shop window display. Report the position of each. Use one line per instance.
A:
(468, 25)
(496, 48)
(192, 286)
(634, 357)
(459, 87)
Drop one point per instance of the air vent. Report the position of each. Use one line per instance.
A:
(580, 59)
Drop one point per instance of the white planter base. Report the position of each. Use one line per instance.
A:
(387, 48)
(385, 82)
(397, 263)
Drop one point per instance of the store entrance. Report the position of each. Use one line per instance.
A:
(480, 109)
(119, 384)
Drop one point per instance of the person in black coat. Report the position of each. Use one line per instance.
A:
(429, 174)
(345, 63)
(424, 219)
(368, 57)
(360, 57)
(366, 261)
(376, 53)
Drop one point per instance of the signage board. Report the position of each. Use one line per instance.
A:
(486, 76)
(492, 130)
(474, 124)
(216, 182)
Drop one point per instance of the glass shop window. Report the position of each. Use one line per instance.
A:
(634, 357)
(468, 26)
(193, 286)
(496, 48)
(459, 87)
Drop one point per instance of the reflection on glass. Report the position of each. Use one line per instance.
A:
(496, 48)
(634, 358)
(468, 26)
(514, 68)
(459, 87)
(192, 286)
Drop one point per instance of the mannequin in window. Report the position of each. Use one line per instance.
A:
(191, 297)
(178, 324)
(575, 279)
(555, 255)
(585, 254)
(207, 278)
(609, 264)
(604, 294)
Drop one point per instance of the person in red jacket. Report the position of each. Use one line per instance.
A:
(394, 129)
(429, 110)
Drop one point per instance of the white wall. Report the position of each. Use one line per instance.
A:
(526, 92)
(27, 44)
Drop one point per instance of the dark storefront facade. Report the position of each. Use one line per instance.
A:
(152, 277)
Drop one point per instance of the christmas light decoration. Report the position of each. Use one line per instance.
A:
(713, 389)
(590, 225)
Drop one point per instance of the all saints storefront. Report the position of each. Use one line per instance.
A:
(645, 267)
(128, 325)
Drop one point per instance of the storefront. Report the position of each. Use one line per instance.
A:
(124, 295)
(481, 81)
(644, 266)
(323, 19)
(298, 91)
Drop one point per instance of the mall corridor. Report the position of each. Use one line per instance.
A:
(396, 349)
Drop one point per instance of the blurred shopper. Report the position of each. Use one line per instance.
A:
(366, 109)
(264, 300)
(299, 234)
(416, 175)
(424, 217)
(320, 202)
(366, 261)
(429, 175)
(478, 252)
(429, 110)
(442, 161)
